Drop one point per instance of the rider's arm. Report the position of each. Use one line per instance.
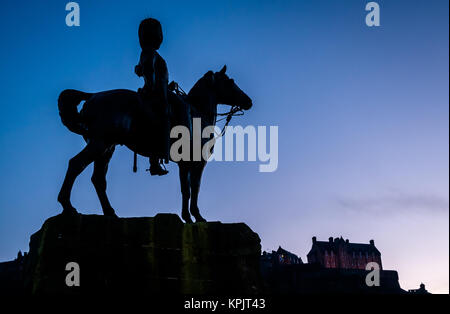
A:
(138, 69)
(147, 63)
(162, 79)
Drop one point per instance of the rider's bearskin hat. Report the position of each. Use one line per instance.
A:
(150, 34)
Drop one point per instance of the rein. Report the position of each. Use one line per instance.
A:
(234, 112)
(174, 87)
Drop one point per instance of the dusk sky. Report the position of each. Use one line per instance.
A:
(363, 118)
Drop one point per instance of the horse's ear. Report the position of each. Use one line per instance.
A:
(224, 69)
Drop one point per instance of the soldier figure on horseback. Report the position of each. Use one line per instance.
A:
(154, 93)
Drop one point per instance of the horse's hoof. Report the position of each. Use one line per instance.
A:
(110, 213)
(195, 212)
(199, 219)
(69, 211)
(187, 219)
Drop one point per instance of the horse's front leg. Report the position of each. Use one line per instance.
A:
(185, 190)
(196, 178)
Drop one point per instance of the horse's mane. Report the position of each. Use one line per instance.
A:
(195, 94)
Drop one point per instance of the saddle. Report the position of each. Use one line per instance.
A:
(179, 109)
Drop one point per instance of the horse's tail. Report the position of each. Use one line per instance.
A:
(68, 102)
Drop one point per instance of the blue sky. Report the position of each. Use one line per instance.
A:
(362, 114)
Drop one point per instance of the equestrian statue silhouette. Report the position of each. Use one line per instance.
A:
(115, 117)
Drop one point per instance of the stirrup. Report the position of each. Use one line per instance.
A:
(160, 171)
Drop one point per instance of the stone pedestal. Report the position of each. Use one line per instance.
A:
(147, 255)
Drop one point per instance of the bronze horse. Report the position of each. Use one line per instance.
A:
(113, 117)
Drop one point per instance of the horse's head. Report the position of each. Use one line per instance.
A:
(228, 93)
(226, 90)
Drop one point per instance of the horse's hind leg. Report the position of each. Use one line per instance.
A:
(99, 180)
(185, 191)
(76, 165)
(196, 178)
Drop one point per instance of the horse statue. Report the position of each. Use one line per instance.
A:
(114, 117)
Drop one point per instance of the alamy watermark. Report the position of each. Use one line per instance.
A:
(373, 17)
(231, 146)
(73, 17)
(73, 277)
(373, 277)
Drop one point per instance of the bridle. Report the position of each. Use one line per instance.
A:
(234, 111)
